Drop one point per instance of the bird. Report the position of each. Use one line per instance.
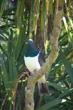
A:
(34, 60)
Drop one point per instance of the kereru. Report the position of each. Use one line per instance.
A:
(34, 59)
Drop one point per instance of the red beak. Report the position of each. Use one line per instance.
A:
(26, 42)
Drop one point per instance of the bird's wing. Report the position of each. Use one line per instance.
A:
(41, 58)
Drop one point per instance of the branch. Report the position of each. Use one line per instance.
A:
(29, 91)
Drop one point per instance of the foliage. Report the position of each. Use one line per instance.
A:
(19, 23)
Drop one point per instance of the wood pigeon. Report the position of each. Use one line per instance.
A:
(34, 59)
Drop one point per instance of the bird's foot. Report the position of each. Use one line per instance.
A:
(28, 74)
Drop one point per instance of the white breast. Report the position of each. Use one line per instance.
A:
(32, 63)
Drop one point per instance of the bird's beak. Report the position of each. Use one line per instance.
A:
(26, 42)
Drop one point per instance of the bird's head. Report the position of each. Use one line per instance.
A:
(30, 44)
(31, 48)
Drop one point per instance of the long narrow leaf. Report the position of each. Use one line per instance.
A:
(50, 104)
(68, 67)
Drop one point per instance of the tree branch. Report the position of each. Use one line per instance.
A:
(29, 91)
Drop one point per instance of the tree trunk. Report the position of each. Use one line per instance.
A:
(29, 91)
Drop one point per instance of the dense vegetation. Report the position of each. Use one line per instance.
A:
(23, 19)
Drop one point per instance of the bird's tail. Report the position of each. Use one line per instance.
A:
(43, 89)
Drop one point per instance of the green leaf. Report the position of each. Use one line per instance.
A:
(2, 7)
(50, 104)
(71, 38)
(4, 47)
(56, 86)
(5, 76)
(68, 67)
